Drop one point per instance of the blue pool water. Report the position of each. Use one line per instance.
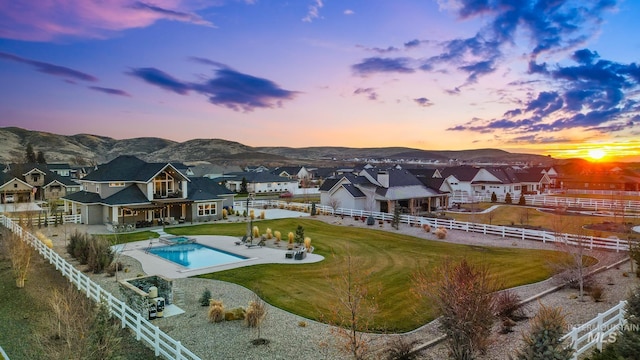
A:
(194, 256)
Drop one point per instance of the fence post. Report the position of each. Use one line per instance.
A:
(156, 343)
(601, 331)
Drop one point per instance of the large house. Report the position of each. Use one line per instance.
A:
(128, 190)
(258, 182)
(466, 182)
(381, 190)
(28, 183)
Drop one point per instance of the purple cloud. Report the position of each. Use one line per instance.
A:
(161, 79)
(240, 91)
(423, 101)
(549, 25)
(382, 65)
(51, 69)
(59, 19)
(412, 44)
(110, 91)
(169, 14)
(370, 92)
(228, 88)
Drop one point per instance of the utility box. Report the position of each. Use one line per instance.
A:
(158, 303)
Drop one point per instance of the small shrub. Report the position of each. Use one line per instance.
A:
(302, 323)
(399, 348)
(299, 237)
(507, 199)
(256, 312)
(99, 254)
(262, 214)
(507, 326)
(252, 214)
(269, 234)
(543, 340)
(114, 267)
(205, 298)
(441, 233)
(255, 231)
(235, 314)
(507, 305)
(290, 244)
(278, 236)
(307, 243)
(597, 293)
(216, 311)
(426, 228)
(225, 213)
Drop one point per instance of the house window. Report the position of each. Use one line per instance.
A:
(163, 185)
(116, 184)
(35, 177)
(516, 188)
(206, 209)
(126, 212)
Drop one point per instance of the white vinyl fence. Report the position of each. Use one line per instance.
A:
(161, 343)
(587, 204)
(590, 242)
(600, 330)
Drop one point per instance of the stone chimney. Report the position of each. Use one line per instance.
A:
(383, 178)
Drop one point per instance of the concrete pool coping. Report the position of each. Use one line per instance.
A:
(155, 265)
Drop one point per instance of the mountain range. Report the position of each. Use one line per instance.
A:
(83, 149)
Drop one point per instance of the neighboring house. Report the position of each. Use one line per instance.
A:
(534, 180)
(258, 182)
(294, 172)
(128, 190)
(259, 168)
(381, 190)
(62, 169)
(23, 183)
(210, 171)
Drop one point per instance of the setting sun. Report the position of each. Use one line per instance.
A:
(597, 154)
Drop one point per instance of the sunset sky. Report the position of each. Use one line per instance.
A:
(551, 77)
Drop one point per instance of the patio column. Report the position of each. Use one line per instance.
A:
(114, 214)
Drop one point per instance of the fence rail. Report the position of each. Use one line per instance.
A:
(597, 331)
(159, 341)
(590, 242)
(50, 220)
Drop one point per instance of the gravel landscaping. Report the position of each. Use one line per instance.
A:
(293, 337)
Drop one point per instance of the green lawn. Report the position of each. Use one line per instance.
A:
(391, 257)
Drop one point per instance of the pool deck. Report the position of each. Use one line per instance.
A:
(155, 265)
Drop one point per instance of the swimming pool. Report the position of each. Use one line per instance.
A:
(195, 256)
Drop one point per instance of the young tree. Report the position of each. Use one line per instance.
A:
(571, 268)
(507, 199)
(256, 313)
(522, 200)
(355, 307)
(104, 340)
(334, 203)
(463, 293)
(543, 340)
(299, 238)
(395, 222)
(20, 253)
(243, 186)
(40, 158)
(494, 197)
(30, 155)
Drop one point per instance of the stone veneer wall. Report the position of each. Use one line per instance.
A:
(136, 292)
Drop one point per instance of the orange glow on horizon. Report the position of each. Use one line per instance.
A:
(595, 152)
